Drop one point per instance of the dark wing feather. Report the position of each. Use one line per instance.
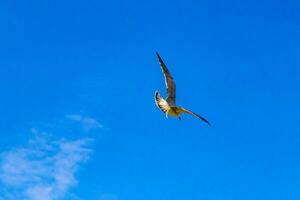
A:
(170, 84)
(195, 114)
(161, 103)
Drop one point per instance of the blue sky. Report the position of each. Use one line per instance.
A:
(77, 80)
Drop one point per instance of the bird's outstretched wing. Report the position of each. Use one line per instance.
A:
(161, 103)
(170, 84)
(192, 113)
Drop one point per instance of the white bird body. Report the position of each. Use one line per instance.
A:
(168, 105)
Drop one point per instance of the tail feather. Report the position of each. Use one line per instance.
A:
(161, 103)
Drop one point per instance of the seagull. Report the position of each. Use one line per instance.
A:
(168, 105)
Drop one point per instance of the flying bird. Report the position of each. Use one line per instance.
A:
(168, 105)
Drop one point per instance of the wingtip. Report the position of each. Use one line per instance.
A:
(158, 56)
(207, 122)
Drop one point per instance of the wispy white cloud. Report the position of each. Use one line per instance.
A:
(88, 123)
(44, 169)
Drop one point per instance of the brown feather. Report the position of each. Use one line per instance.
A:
(170, 84)
(192, 113)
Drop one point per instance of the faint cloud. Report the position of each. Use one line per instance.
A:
(44, 169)
(88, 123)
